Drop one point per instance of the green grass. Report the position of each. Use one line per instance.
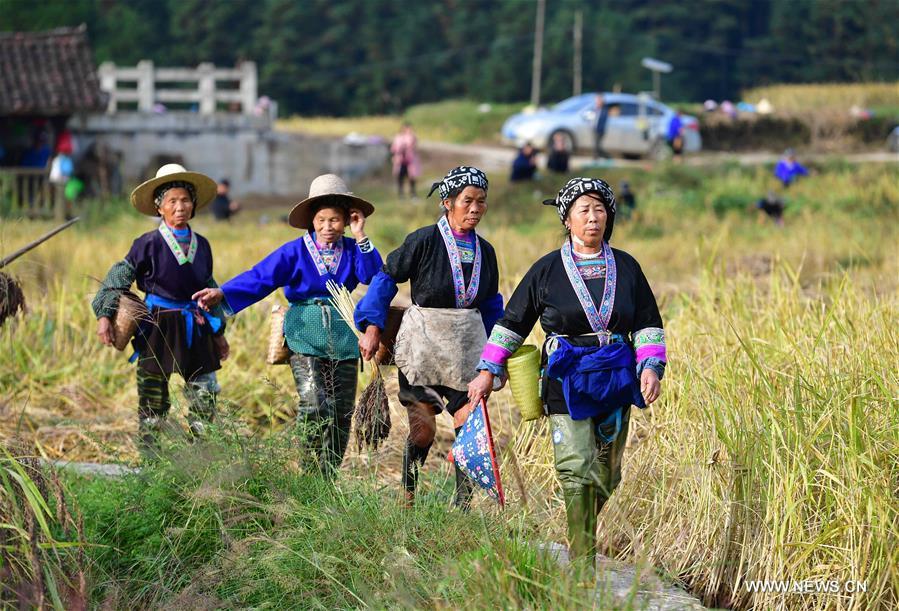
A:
(771, 454)
(458, 121)
(239, 523)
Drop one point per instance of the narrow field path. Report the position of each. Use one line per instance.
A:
(498, 158)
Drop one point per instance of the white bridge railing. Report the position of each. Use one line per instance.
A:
(204, 86)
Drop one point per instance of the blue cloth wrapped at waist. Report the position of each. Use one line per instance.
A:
(597, 381)
(189, 310)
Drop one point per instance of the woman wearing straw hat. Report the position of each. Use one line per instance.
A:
(449, 267)
(604, 332)
(324, 352)
(169, 264)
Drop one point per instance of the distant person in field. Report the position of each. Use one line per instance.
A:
(559, 155)
(524, 166)
(604, 351)
(406, 164)
(602, 118)
(788, 169)
(452, 269)
(772, 206)
(223, 207)
(627, 199)
(324, 356)
(676, 135)
(169, 264)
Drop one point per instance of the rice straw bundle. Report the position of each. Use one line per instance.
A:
(372, 414)
(11, 297)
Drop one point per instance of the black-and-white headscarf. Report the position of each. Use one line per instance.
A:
(461, 177)
(576, 187)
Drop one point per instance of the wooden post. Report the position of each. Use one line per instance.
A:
(59, 202)
(108, 84)
(248, 87)
(206, 74)
(538, 53)
(578, 53)
(146, 86)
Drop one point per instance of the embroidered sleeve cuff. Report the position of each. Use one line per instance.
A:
(650, 343)
(653, 363)
(502, 343)
(365, 246)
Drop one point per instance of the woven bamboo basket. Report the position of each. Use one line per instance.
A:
(278, 352)
(524, 380)
(130, 312)
(388, 336)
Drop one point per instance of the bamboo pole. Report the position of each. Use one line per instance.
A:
(9, 259)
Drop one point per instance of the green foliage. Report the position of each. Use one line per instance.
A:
(40, 540)
(239, 522)
(382, 56)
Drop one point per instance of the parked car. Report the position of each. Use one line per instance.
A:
(637, 125)
(893, 140)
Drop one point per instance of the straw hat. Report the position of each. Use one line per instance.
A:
(142, 196)
(327, 188)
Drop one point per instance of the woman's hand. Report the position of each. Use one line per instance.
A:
(105, 331)
(650, 386)
(480, 387)
(357, 224)
(370, 342)
(222, 347)
(208, 298)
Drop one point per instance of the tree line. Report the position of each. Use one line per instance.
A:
(340, 57)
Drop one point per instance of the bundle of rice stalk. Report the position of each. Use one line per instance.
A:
(12, 299)
(372, 414)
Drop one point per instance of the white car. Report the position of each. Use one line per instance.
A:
(637, 125)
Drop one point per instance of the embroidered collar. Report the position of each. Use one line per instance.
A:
(175, 247)
(323, 268)
(464, 296)
(598, 317)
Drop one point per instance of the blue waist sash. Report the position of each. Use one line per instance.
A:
(597, 381)
(189, 310)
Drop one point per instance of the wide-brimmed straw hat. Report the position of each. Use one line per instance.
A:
(326, 189)
(142, 197)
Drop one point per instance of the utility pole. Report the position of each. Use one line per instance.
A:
(538, 53)
(577, 83)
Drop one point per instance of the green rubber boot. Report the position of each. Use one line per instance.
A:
(580, 509)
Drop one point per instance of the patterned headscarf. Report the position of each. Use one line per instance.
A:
(460, 177)
(576, 187)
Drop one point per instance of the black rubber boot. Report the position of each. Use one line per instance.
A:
(413, 458)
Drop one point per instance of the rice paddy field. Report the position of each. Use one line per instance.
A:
(773, 453)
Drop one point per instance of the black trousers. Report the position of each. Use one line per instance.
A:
(327, 391)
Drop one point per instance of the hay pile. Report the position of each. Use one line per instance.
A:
(11, 297)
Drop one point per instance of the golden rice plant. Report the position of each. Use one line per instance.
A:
(814, 97)
(774, 451)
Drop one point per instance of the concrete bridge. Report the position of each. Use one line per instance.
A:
(212, 121)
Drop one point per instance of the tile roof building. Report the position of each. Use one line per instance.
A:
(49, 73)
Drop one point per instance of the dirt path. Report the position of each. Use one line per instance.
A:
(497, 158)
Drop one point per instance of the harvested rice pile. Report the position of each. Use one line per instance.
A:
(11, 297)
(372, 414)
